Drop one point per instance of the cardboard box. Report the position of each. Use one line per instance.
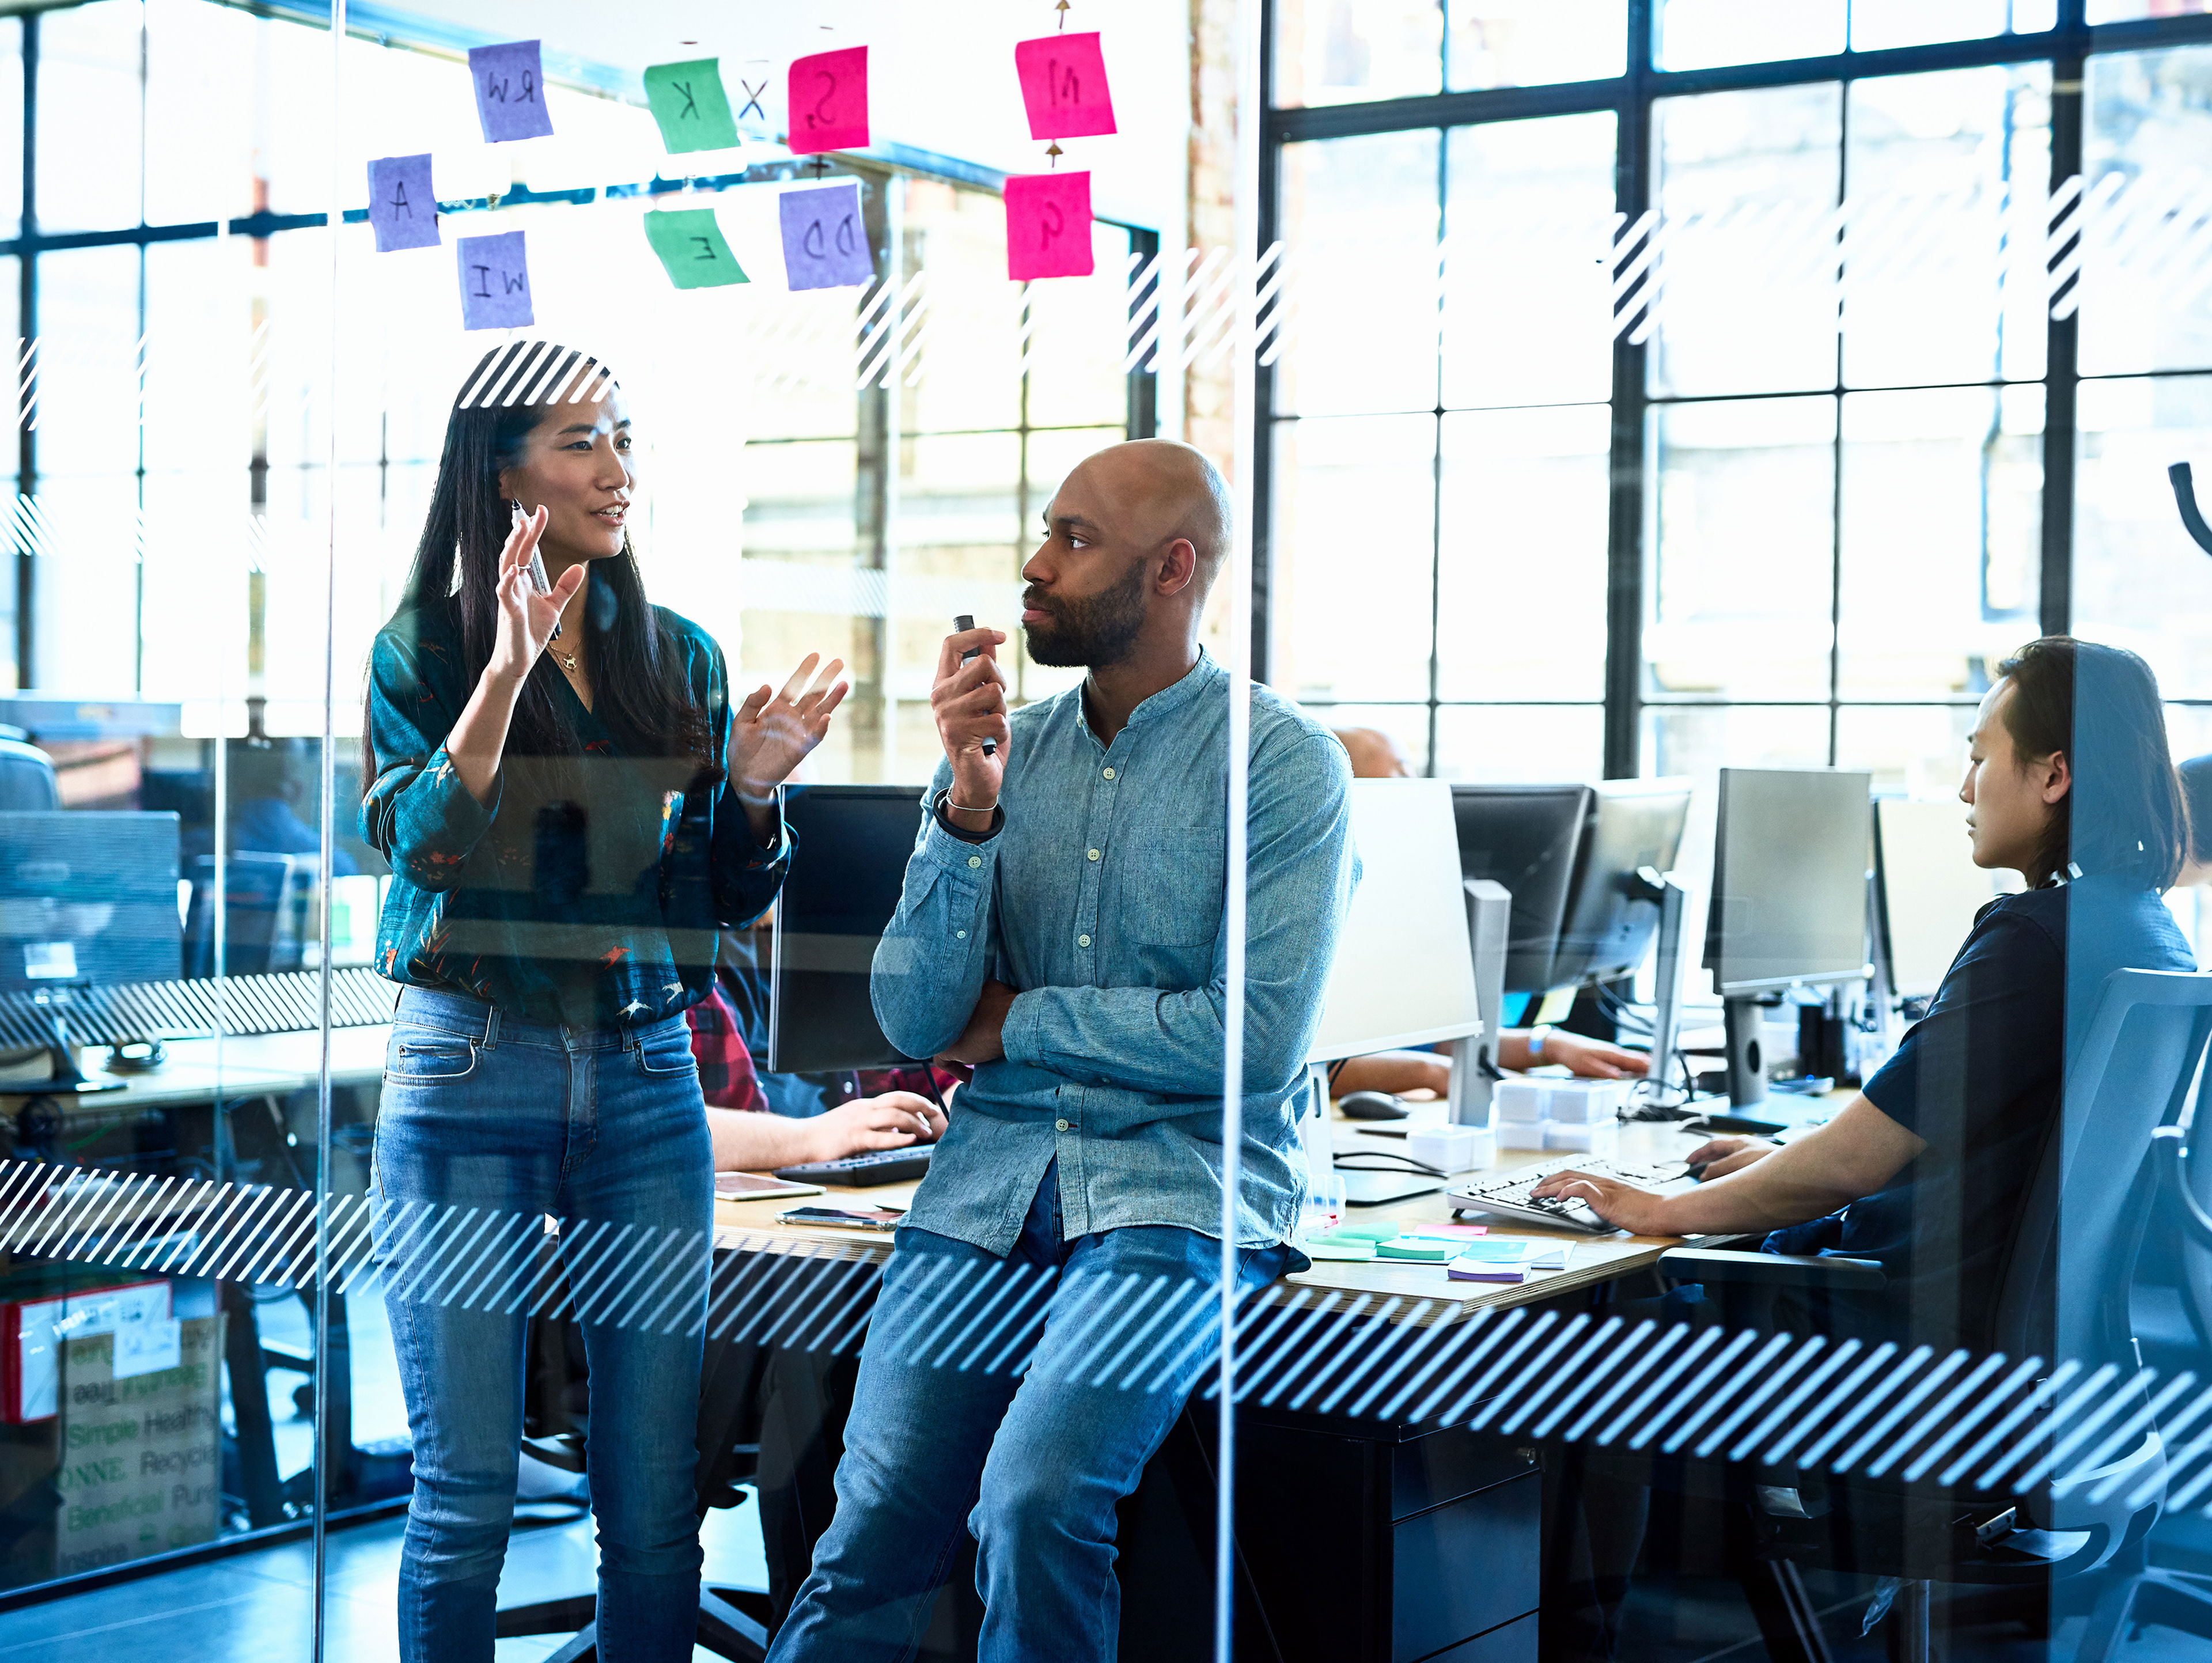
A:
(141, 1458)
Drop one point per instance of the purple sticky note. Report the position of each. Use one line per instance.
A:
(1047, 225)
(401, 204)
(825, 246)
(510, 91)
(495, 282)
(830, 101)
(1064, 86)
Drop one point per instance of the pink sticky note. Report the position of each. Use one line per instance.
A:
(830, 101)
(1064, 86)
(1047, 225)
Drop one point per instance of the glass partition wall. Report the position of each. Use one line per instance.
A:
(230, 437)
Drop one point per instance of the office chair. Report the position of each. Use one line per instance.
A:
(259, 930)
(555, 1428)
(27, 779)
(2061, 1297)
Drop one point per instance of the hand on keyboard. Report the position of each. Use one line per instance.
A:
(1516, 1194)
(1622, 1205)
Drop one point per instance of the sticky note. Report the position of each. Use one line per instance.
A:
(1063, 80)
(510, 91)
(688, 101)
(495, 282)
(401, 207)
(829, 102)
(824, 244)
(1047, 225)
(691, 245)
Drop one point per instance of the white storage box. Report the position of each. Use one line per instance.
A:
(1450, 1149)
(1570, 1138)
(1518, 1100)
(1521, 1134)
(1585, 1102)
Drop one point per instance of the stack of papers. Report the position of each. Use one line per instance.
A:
(1507, 1258)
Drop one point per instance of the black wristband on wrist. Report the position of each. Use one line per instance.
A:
(998, 820)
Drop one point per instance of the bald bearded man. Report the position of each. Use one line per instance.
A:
(1054, 1293)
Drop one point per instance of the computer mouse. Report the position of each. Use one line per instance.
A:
(1371, 1106)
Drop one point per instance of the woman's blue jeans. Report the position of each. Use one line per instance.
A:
(486, 1128)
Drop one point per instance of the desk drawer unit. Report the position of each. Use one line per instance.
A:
(1391, 1551)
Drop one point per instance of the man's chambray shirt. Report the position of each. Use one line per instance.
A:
(1100, 899)
(591, 891)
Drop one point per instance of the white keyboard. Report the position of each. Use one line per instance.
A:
(1507, 1194)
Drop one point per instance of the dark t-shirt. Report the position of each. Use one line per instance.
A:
(1978, 1078)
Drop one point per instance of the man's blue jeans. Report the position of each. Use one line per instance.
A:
(1030, 1462)
(486, 1127)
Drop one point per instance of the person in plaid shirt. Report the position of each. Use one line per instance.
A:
(888, 1111)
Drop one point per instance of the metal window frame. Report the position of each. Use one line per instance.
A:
(1631, 96)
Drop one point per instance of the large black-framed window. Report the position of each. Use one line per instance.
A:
(1543, 492)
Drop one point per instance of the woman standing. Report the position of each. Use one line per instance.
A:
(572, 810)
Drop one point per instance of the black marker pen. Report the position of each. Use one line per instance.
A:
(964, 621)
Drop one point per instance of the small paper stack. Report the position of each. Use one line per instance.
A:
(1537, 1112)
(1506, 1258)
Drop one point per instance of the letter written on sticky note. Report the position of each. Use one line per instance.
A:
(690, 107)
(510, 91)
(1064, 86)
(1048, 226)
(495, 282)
(830, 101)
(401, 207)
(825, 246)
(691, 245)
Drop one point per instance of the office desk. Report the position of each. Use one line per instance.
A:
(1359, 1538)
(236, 1069)
(750, 1226)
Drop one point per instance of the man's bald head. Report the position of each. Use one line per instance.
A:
(1164, 490)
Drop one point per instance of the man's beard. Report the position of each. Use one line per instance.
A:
(1093, 632)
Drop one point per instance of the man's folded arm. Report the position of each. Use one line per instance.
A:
(930, 963)
(1301, 871)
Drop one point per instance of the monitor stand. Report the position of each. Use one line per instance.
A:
(1667, 997)
(1746, 1057)
(66, 1078)
(1475, 1070)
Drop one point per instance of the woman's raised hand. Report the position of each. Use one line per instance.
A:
(774, 730)
(526, 618)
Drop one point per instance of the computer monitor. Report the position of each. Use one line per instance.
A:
(1527, 838)
(1927, 891)
(1612, 911)
(1788, 904)
(88, 898)
(852, 842)
(1404, 970)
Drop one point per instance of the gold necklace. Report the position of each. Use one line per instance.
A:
(568, 661)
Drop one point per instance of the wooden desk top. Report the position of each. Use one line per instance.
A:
(238, 1065)
(1431, 1297)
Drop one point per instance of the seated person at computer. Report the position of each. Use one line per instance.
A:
(270, 781)
(1375, 756)
(2068, 783)
(1083, 862)
(750, 1134)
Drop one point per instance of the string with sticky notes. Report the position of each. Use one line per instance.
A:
(1064, 94)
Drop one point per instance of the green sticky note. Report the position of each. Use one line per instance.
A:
(690, 244)
(690, 105)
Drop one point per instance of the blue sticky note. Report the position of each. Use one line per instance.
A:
(825, 244)
(510, 91)
(401, 204)
(495, 282)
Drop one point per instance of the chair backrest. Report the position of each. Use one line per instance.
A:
(257, 934)
(26, 779)
(2063, 1294)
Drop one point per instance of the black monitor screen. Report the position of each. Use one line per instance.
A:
(852, 842)
(1525, 837)
(87, 897)
(1612, 916)
(1789, 878)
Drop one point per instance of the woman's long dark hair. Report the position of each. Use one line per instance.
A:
(637, 675)
(2123, 812)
